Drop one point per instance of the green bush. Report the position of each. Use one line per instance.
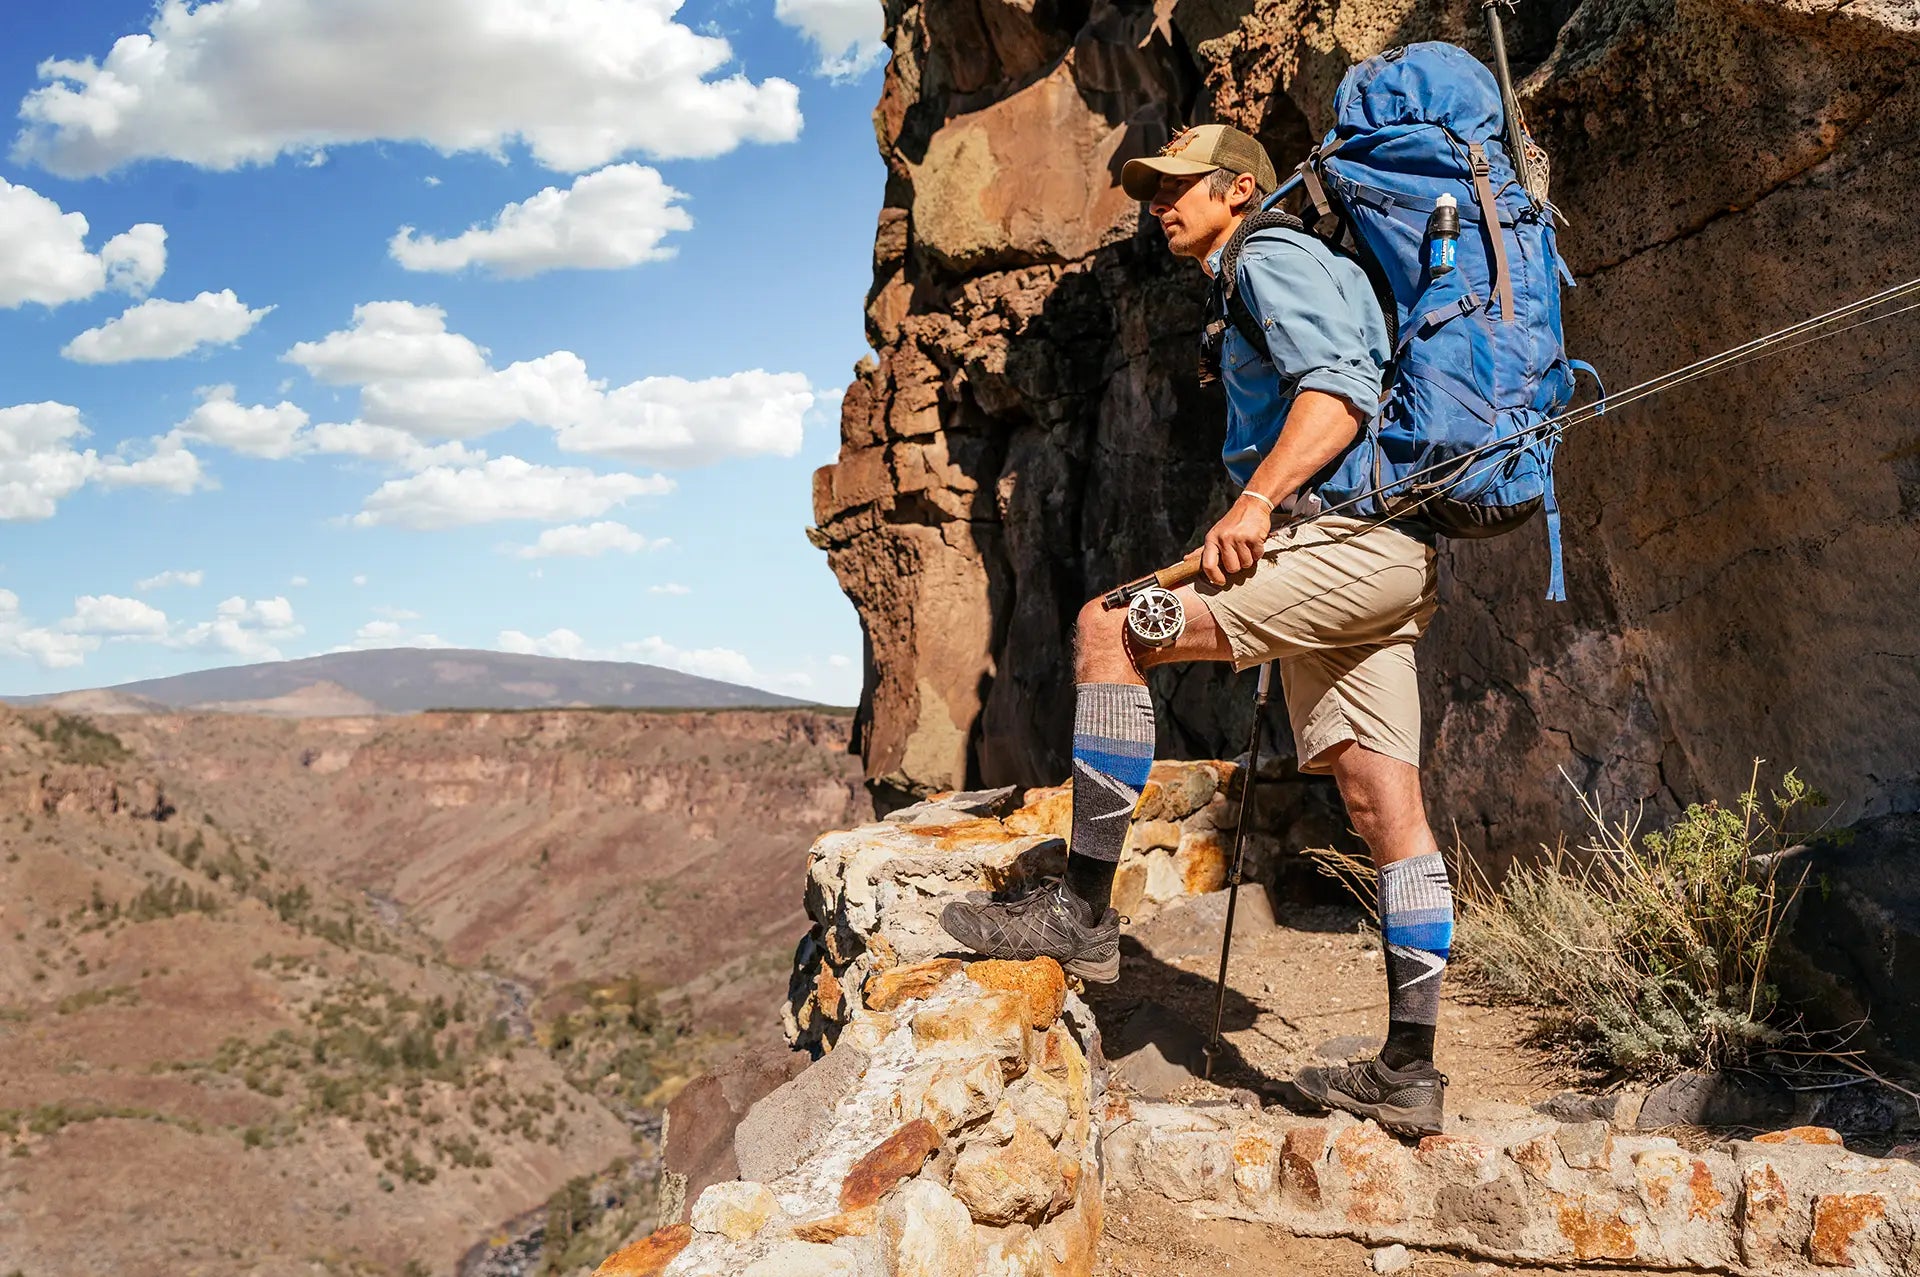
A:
(1648, 954)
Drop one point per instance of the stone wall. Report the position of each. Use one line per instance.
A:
(960, 1119)
(1741, 552)
(1510, 1184)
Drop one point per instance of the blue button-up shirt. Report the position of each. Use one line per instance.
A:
(1323, 329)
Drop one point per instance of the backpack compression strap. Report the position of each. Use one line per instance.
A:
(1490, 215)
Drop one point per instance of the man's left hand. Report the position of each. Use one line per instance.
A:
(1234, 544)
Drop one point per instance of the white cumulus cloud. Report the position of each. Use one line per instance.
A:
(192, 580)
(280, 431)
(251, 631)
(588, 540)
(390, 633)
(845, 33)
(256, 431)
(40, 466)
(109, 615)
(722, 663)
(223, 83)
(157, 329)
(503, 488)
(415, 375)
(671, 588)
(48, 648)
(606, 220)
(670, 421)
(44, 257)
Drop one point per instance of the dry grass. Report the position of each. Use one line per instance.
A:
(1644, 954)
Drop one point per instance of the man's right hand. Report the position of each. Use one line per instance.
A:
(1235, 543)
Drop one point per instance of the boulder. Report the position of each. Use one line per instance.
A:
(701, 1121)
(1020, 1181)
(926, 1232)
(780, 1130)
(737, 1210)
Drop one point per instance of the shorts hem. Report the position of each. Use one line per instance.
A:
(1247, 652)
(1340, 736)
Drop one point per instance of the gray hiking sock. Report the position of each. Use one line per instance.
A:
(1416, 922)
(1112, 754)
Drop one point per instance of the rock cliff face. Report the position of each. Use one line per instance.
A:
(1741, 552)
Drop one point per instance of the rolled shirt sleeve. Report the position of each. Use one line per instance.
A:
(1316, 333)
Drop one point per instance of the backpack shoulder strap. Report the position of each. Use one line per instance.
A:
(1227, 282)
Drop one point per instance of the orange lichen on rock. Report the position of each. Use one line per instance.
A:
(1041, 982)
(828, 995)
(1802, 1135)
(854, 1223)
(888, 989)
(895, 1158)
(1047, 811)
(1837, 1219)
(649, 1256)
(1594, 1233)
(1704, 1197)
(1375, 1165)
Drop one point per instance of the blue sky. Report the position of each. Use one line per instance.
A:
(245, 416)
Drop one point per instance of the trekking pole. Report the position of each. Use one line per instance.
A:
(1239, 859)
(1519, 149)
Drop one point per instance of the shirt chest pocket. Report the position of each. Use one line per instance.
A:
(1238, 352)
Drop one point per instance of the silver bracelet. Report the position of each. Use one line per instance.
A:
(1249, 492)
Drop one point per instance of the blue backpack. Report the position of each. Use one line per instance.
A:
(1479, 359)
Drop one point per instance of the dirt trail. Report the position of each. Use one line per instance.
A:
(1308, 988)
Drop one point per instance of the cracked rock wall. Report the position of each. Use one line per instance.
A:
(1741, 552)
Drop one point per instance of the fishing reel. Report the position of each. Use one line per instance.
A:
(1156, 618)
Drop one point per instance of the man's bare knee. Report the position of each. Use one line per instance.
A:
(1100, 646)
(1383, 801)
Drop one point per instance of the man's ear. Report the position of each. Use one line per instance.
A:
(1248, 191)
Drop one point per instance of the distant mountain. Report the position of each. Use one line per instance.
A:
(407, 680)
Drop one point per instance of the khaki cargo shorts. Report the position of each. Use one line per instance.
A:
(1338, 602)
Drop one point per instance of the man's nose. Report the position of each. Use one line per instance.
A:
(1158, 205)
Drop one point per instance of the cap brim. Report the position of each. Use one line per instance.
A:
(1141, 178)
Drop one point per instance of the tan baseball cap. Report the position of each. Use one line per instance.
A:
(1201, 149)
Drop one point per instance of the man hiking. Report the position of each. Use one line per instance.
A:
(1337, 601)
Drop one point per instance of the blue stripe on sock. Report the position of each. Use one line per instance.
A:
(1129, 769)
(1433, 937)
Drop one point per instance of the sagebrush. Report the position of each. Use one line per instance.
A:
(1647, 953)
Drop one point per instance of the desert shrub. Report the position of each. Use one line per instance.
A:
(1647, 954)
(75, 740)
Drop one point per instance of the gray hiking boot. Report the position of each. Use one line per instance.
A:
(1052, 922)
(1406, 1101)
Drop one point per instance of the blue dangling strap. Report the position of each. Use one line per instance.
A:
(1599, 386)
(1556, 579)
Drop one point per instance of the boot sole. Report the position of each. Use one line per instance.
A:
(1409, 1122)
(1105, 971)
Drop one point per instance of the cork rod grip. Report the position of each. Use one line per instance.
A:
(1185, 570)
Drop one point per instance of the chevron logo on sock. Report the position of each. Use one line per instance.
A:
(1127, 797)
(1433, 962)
